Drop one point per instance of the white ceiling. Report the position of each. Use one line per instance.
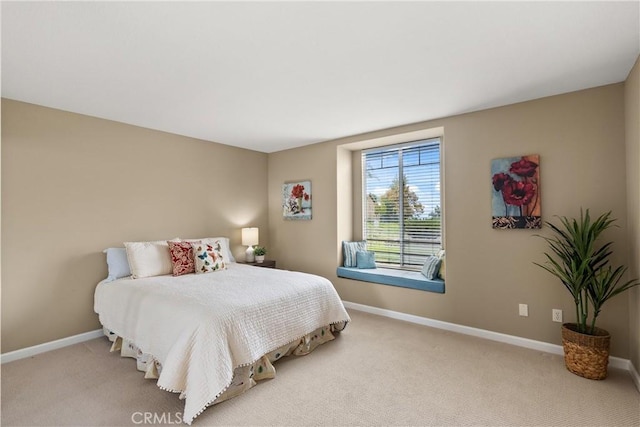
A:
(270, 76)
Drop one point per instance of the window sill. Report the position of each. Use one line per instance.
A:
(388, 276)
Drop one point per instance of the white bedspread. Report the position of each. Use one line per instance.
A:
(201, 327)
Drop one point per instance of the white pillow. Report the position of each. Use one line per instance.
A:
(148, 259)
(224, 243)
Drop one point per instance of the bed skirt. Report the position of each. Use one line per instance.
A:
(244, 377)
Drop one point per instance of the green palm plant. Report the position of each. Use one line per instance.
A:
(583, 266)
(605, 284)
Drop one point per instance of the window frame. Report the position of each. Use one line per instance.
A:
(399, 147)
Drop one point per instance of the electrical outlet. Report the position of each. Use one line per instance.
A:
(523, 310)
(556, 315)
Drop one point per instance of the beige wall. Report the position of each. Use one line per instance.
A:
(632, 131)
(581, 142)
(73, 185)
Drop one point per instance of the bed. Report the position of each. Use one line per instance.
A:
(211, 336)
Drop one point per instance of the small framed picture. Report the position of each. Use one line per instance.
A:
(296, 200)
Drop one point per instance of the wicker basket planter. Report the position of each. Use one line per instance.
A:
(586, 355)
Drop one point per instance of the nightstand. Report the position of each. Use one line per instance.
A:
(267, 263)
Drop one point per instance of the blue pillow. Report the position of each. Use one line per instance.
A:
(349, 250)
(366, 259)
(117, 263)
(431, 267)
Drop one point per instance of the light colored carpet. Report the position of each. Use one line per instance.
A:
(378, 372)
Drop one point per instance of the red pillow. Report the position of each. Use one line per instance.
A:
(181, 257)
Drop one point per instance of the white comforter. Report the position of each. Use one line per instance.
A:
(201, 327)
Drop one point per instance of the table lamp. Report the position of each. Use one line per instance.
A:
(250, 238)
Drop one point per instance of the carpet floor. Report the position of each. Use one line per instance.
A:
(378, 372)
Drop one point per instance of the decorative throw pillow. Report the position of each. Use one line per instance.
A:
(431, 267)
(181, 257)
(366, 259)
(148, 259)
(208, 257)
(117, 263)
(349, 250)
(224, 242)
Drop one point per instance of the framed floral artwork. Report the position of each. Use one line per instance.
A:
(296, 200)
(515, 193)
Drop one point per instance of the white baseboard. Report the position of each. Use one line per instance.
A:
(48, 346)
(614, 362)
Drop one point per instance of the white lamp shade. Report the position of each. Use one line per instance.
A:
(250, 236)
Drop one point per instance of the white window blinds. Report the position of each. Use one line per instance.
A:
(402, 206)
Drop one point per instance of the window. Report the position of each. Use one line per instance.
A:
(402, 208)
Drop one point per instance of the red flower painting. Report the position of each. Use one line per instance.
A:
(516, 195)
(297, 200)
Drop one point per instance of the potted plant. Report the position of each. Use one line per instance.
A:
(259, 252)
(582, 265)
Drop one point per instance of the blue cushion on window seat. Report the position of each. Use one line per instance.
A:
(388, 276)
(365, 259)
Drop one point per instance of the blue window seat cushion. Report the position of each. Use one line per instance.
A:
(388, 276)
